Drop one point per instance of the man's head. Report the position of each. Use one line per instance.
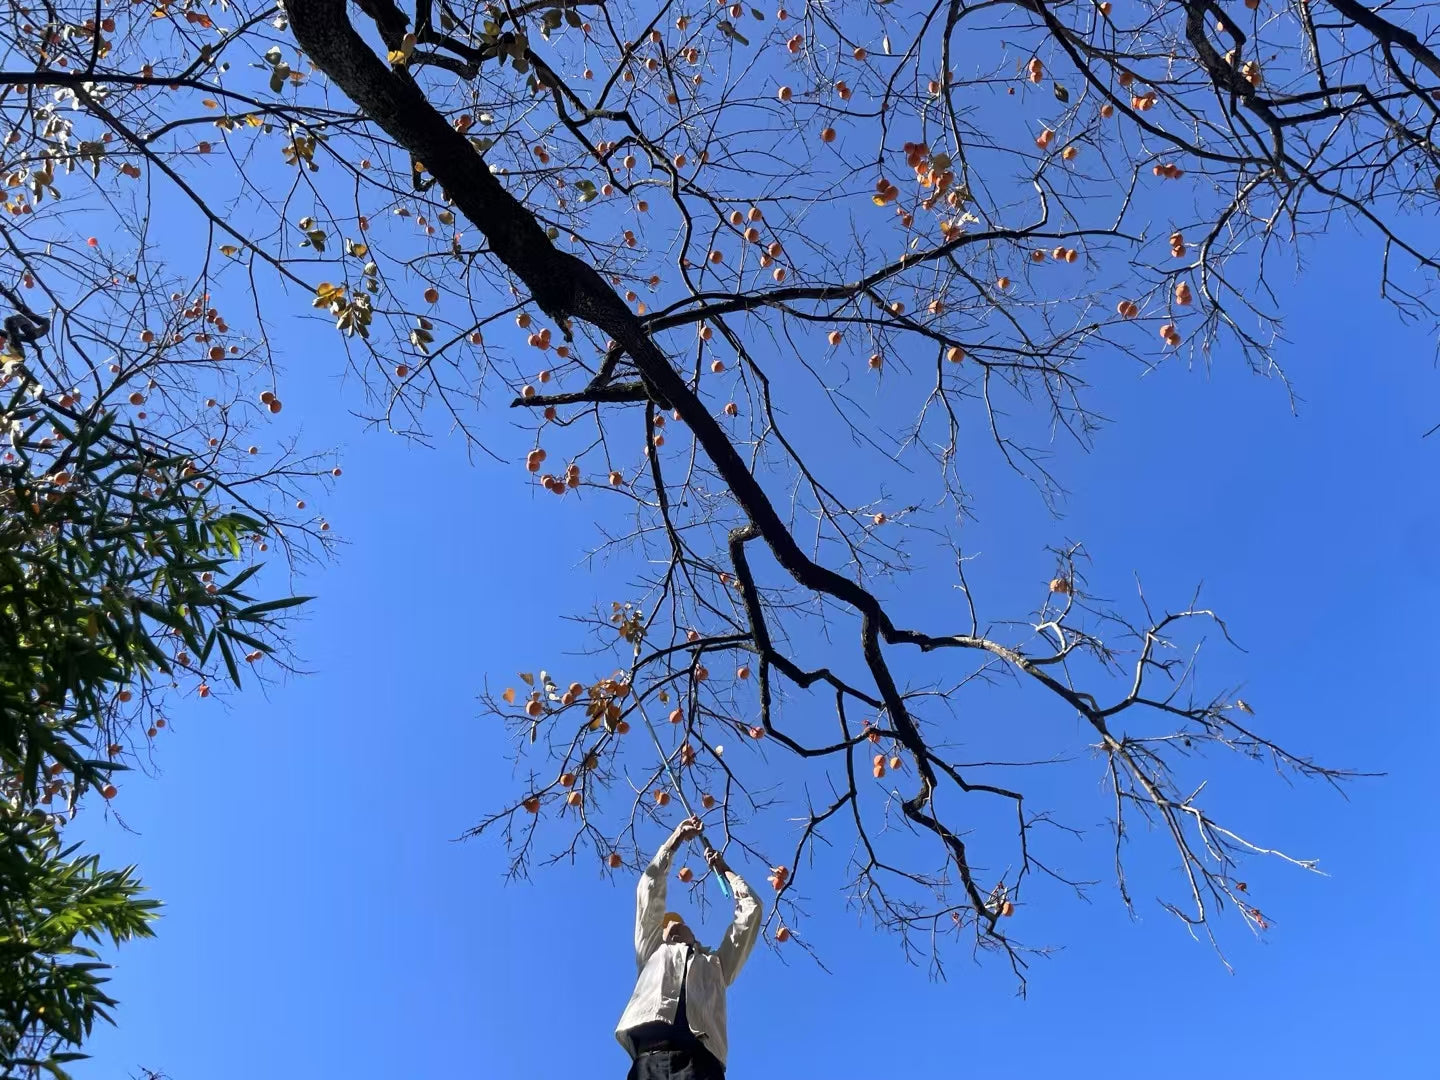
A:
(673, 929)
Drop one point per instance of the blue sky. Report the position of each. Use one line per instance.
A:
(321, 919)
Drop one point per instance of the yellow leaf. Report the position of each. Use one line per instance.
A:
(509, 695)
(210, 103)
(254, 120)
(878, 200)
(229, 249)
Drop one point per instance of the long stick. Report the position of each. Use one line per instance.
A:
(665, 761)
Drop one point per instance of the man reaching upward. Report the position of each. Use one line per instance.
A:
(674, 1026)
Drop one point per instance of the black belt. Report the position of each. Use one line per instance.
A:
(663, 1046)
(666, 1040)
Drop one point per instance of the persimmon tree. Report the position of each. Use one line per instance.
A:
(658, 233)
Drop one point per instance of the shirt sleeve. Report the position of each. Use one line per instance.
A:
(650, 906)
(744, 929)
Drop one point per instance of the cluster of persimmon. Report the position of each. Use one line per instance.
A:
(880, 761)
(604, 707)
(1177, 246)
(1170, 335)
(557, 485)
(1183, 296)
(1035, 70)
(1127, 309)
(932, 172)
(1059, 254)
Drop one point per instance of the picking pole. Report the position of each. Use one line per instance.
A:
(679, 791)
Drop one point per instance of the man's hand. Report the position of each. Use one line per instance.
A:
(717, 862)
(688, 829)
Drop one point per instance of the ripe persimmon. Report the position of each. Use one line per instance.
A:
(742, 672)
(685, 874)
(567, 779)
(108, 791)
(707, 801)
(662, 798)
(532, 804)
(614, 860)
(574, 798)
(783, 934)
(834, 337)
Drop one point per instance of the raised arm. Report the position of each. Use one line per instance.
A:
(744, 927)
(650, 895)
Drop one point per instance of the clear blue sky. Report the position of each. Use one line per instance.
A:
(320, 920)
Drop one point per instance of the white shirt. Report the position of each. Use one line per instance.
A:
(662, 966)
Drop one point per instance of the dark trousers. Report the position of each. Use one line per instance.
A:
(695, 1063)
